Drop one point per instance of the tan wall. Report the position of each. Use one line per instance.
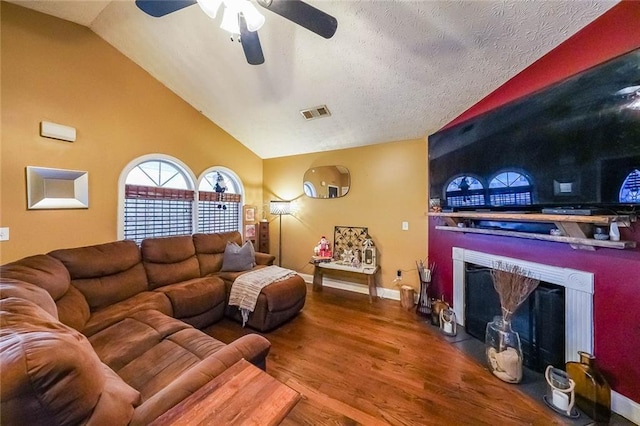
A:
(57, 71)
(388, 186)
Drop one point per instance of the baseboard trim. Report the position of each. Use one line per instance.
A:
(626, 407)
(620, 404)
(385, 293)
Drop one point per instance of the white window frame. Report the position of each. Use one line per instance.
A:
(153, 157)
(237, 180)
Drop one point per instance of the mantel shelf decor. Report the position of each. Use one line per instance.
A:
(575, 230)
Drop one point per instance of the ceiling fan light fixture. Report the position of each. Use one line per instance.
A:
(230, 20)
(255, 19)
(210, 7)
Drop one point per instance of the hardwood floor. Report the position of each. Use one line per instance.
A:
(377, 364)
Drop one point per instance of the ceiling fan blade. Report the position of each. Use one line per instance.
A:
(250, 43)
(158, 8)
(304, 15)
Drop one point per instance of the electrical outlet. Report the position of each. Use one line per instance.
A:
(405, 226)
(4, 234)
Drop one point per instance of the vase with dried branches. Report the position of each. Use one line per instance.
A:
(504, 352)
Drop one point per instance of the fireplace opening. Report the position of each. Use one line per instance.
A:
(540, 320)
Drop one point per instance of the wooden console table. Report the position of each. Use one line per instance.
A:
(242, 395)
(369, 272)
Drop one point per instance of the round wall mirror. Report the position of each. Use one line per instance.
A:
(326, 182)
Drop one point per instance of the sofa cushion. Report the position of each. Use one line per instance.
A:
(31, 292)
(110, 315)
(122, 342)
(210, 249)
(41, 270)
(105, 273)
(169, 260)
(167, 360)
(73, 309)
(51, 375)
(194, 297)
(238, 258)
(285, 294)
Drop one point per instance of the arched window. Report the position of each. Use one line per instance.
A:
(464, 190)
(310, 189)
(220, 194)
(157, 199)
(510, 188)
(630, 189)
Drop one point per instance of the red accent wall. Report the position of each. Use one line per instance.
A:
(617, 272)
(615, 32)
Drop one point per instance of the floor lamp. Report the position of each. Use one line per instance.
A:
(280, 208)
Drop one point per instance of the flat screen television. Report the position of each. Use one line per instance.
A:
(575, 144)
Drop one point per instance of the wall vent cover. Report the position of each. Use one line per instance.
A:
(315, 112)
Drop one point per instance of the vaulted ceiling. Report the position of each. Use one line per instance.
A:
(394, 70)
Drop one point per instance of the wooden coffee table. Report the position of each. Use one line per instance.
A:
(242, 395)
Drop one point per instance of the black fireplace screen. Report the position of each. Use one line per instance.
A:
(539, 320)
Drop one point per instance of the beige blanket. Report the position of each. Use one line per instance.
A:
(247, 287)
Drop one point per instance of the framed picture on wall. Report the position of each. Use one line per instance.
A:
(249, 214)
(250, 232)
(249, 222)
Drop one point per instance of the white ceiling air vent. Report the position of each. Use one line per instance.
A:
(315, 112)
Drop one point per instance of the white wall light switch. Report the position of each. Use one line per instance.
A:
(405, 226)
(4, 234)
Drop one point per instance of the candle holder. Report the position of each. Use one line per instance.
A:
(560, 396)
(448, 324)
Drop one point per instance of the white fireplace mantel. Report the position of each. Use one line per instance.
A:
(578, 294)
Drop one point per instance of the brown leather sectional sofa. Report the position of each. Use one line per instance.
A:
(108, 334)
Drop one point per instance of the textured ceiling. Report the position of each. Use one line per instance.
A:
(394, 70)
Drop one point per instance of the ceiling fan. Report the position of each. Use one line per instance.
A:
(242, 18)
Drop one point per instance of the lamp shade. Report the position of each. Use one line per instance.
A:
(280, 207)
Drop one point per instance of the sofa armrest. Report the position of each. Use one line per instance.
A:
(264, 258)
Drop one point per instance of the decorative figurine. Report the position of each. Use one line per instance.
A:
(324, 248)
(220, 185)
(357, 259)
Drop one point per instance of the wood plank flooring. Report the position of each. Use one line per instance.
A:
(377, 364)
